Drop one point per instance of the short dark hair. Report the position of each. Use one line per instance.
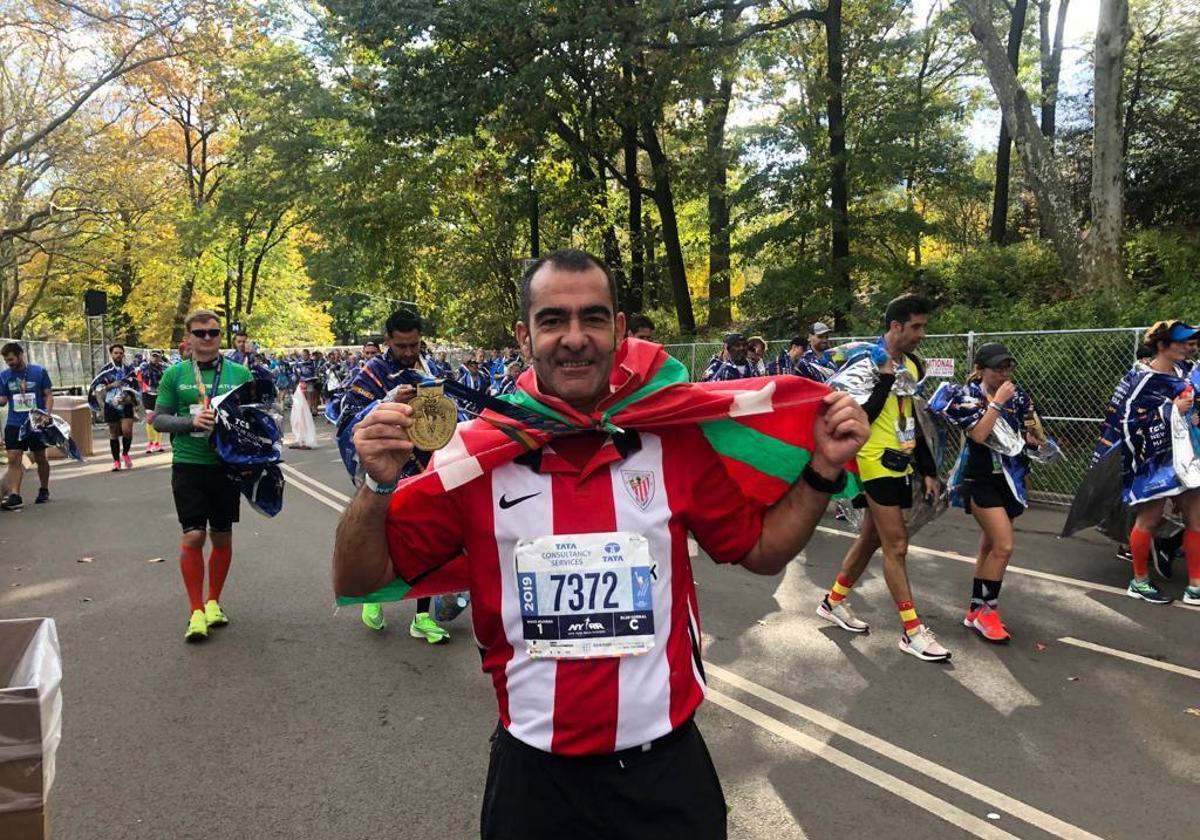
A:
(113, 347)
(402, 320)
(903, 308)
(799, 341)
(639, 322)
(566, 259)
(12, 349)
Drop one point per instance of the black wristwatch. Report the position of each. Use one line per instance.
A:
(821, 484)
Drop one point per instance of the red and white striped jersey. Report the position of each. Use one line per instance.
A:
(659, 486)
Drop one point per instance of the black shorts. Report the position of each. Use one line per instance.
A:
(116, 415)
(204, 497)
(149, 401)
(668, 791)
(889, 491)
(12, 440)
(991, 493)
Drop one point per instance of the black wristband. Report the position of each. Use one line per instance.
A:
(821, 484)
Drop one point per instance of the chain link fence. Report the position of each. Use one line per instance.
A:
(1071, 375)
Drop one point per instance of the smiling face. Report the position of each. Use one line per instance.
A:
(572, 334)
(1177, 351)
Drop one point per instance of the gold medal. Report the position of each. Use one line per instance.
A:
(434, 418)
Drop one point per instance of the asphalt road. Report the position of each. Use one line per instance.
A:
(297, 722)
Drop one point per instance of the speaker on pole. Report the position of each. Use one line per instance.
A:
(95, 302)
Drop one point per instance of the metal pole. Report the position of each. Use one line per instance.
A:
(91, 356)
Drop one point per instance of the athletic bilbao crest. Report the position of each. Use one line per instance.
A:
(640, 486)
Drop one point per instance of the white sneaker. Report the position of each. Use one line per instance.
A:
(842, 616)
(924, 645)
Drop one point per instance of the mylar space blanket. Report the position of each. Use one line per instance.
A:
(248, 444)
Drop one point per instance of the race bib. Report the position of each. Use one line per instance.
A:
(24, 402)
(194, 409)
(586, 595)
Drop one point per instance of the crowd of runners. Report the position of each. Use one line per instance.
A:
(581, 461)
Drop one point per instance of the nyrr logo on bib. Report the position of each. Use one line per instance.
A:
(640, 486)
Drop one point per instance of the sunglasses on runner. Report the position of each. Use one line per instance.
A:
(206, 333)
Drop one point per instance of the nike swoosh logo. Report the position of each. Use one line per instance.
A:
(505, 504)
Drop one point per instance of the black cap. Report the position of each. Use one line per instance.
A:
(992, 355)
(734, 338)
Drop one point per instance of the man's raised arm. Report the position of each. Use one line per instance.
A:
(361, 562)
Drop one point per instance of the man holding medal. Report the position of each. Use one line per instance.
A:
(205, 499)
(400, 365)
(592, 741)
(23, 387)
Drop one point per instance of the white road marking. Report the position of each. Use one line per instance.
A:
(299, 476)
(938, 807)
(999, 801)
(1132, 657)
(1016, 570)
(308, 491)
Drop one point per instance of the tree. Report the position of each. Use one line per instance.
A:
(1102, 244)
(1016, 32)
(1050, 42)
(1033, 148)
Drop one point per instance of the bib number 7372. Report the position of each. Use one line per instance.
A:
(585, 595)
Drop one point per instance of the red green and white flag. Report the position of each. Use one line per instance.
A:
(761, 429)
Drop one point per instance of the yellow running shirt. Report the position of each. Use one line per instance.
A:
(889, 432)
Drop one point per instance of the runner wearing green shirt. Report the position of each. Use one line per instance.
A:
(204, 498)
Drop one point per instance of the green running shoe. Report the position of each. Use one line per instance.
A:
(1146, 591)
(372, 616)
(197, 629)
(424, 627)
(214, 614)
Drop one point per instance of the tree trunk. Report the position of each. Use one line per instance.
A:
(839, 187)
(1102, 242)
(719, 292)
(650, 294)
(999, 232)
(184, 302)
(1051, 62)
(665, 201)
(637, 273)
(612, 247)
(535, 222)
(1037, 159)
(1147, 42)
